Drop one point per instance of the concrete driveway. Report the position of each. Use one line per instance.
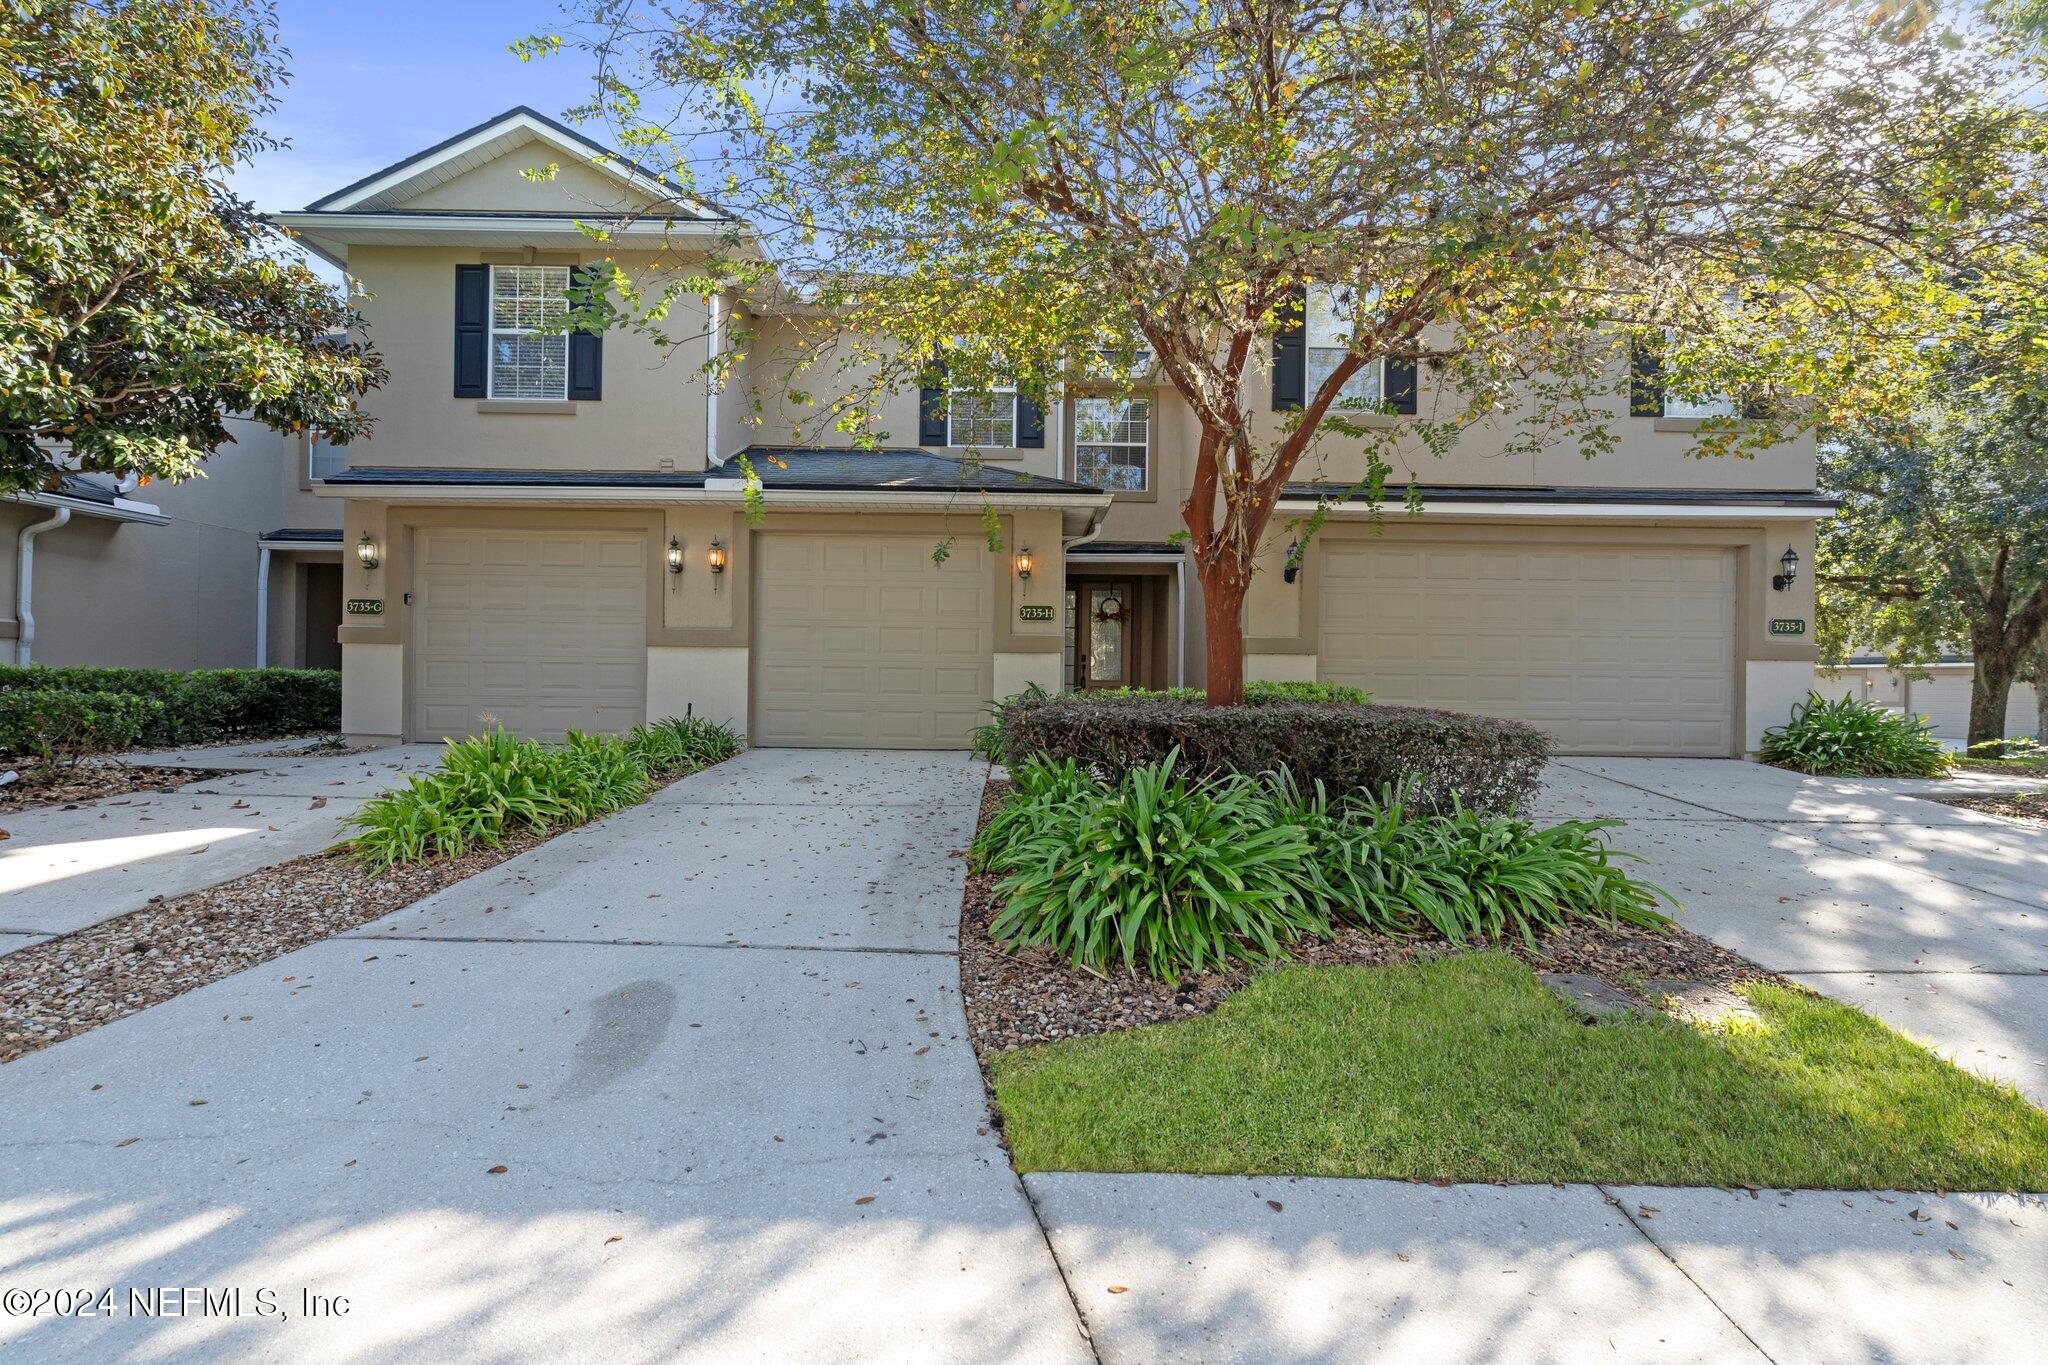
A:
(63, 869)
(1931, 917)
(691, 1083)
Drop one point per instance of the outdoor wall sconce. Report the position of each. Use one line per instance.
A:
(1025, 563)
(1789, 562)
(718, 556)
(366, 551)
(675, 555)
(1293, 569)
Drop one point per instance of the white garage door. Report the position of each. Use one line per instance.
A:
(545, 631)
(862, 640)
(1610, 651)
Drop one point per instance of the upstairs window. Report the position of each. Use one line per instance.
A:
(1328, 319)
(982, 417)
(324, 461)
(1111, 437)
(529, 356)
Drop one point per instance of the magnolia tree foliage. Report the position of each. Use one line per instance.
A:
(1507, 191)
(141, 303)
(1942, 538)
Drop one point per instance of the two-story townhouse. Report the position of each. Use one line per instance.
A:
(550, 530)
(237, 568)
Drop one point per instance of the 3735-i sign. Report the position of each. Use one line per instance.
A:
(1787, 625)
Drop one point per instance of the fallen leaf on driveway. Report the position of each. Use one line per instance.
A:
(865, 1199)
(615, 1237)
(1119, 1289)
(1274, 1205)
(127, 1142)
(497, 1170)
(319, 803)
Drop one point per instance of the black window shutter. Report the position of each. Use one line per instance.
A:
(1290, 353)
(1030, 424)
(931, 407)
(1645, 382)
(472, 330)
(1400, 385)
(586, 366)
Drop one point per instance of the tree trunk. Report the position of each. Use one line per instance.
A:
(1223, 614)
(1990, 686)
(2040, 671)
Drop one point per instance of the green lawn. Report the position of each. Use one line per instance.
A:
(1465, 1068)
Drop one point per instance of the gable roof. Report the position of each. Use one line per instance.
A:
(392, 186)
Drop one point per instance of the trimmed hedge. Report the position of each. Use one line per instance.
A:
(185, 708)
(55, 724)
(1484, 763)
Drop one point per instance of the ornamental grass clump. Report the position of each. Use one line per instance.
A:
(1153, 873)
(1849, 737)
(1161, 874)
(493, 785)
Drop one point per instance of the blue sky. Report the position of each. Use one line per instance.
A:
(374, 81)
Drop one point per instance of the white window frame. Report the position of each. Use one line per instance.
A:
(337, 458)
(493, 331)
(998, 391)
(1143, 446)
(1322, 338)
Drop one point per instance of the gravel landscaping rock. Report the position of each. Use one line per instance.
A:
(1028, 996)
(83, 782)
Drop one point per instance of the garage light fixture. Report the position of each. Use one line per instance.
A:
(1025, 563)
(1789, 562)
(366, 551)
(1292, 570)
(718, 556)
(675, 555)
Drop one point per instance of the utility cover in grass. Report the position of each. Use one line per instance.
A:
(1465, 1068)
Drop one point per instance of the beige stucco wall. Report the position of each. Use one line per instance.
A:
(176, 596)
(652, 412)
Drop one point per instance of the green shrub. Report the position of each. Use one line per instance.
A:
(683, 744)
(1440, 758)
(207, 705)
(495, 784)
(61, 725)
(987, 739)
(1852, 738)
(1154, 873)
(1164, 876)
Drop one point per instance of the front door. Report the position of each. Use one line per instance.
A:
(1100, 625)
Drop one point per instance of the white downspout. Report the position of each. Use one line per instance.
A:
(714, 343)
(263, 606)
(24, 582)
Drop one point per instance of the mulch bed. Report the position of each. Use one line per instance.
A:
(1028, 996)
(55, 990)
(2029, 806)
(67, 787)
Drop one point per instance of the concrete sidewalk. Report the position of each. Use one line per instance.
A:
(63, 869)
(1204, 1268)
(1929, 916)
(562, 1111)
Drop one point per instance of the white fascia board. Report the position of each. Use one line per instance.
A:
(822, 499)
(1573, 511)
(326, 223)
(589, 152)
(140, 513)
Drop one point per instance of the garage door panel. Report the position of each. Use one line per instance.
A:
(1611, 651)
(863, 640)
(542, 631)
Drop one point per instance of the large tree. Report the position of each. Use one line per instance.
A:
(141, 302)
(1509, 192)
(1942, 538)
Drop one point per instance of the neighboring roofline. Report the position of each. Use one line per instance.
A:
(1127, 549)
(547, 129)
(772, 478)
(488, 485)
(1557, 494)
(120, 509)
(330, 535)
(1601, 504)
